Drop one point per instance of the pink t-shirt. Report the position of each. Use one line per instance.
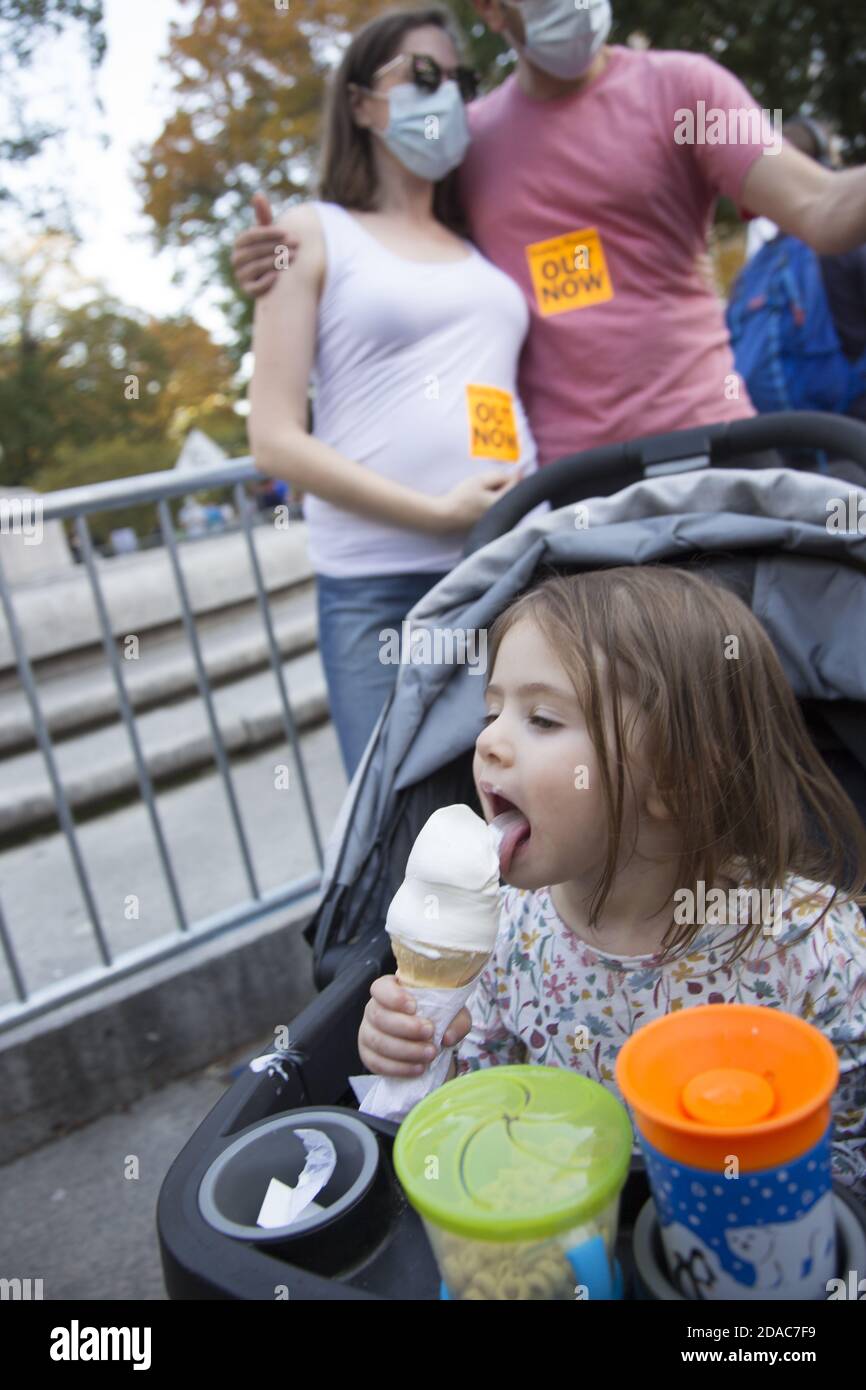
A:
(627, 334)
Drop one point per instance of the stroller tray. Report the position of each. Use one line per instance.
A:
(378, 1250)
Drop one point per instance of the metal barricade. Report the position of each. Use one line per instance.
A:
(76, 505)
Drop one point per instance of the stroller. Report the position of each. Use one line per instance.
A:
(678, 498)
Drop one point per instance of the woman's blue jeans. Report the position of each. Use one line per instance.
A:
(352, 613)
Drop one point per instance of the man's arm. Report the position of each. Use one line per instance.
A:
(825, 209)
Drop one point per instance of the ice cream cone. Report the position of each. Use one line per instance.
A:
(444, 916)
(448, 969)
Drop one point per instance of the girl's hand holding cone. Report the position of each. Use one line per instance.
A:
(393, 1040)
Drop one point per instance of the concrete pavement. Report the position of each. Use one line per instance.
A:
(70, 1216)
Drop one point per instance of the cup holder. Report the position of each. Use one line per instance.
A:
(651, 1269)
(356, 1203)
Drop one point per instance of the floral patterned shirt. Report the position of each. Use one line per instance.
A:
(543, 983)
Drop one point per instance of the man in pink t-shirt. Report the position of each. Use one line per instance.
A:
(602, 219)
(591, 180)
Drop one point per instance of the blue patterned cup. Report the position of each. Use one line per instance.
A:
(762, 1235)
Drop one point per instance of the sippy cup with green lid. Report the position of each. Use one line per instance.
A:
(516, 1172)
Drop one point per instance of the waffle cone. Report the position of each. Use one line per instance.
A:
(448, 970)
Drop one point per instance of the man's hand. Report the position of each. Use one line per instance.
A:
(254, 256)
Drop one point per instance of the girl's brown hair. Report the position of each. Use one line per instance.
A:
(348, 174)
(726, 741)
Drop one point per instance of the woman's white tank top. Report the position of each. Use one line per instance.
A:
(415, 377)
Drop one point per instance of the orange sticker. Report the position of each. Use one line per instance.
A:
(492, 427)
(569, 272)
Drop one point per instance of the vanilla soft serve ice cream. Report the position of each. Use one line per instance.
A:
(443, 921)
(449, 897)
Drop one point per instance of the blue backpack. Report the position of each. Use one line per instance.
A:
(785, 343)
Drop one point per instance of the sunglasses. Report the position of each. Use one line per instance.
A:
(428, 75)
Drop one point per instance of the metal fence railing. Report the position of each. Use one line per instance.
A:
(77, 505)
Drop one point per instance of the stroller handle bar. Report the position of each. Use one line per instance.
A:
(612, 467)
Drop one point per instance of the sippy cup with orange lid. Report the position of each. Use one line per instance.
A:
(732, 1108)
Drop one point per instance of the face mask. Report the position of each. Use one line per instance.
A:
(427, 131)
(561, 39)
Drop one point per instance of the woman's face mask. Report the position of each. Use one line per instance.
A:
(427, 131)
(563, 36)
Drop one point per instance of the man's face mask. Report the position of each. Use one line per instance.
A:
(563, 36)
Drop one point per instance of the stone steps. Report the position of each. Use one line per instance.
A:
(97, 768)
(78, 693)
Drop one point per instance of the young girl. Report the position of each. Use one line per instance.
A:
(642, 725)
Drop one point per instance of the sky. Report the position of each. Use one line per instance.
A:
(134, 92)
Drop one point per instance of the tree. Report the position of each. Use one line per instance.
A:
(789, 53)
(23, 24)
(26, 20)
(34, 275)
(489, 54)
(115, 456)
(249, 83)
(106, 370)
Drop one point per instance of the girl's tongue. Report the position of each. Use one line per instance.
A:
(514, 830)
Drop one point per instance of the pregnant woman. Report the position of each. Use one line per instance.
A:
(411, 339)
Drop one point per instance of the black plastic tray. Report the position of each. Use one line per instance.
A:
(201, 1263)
